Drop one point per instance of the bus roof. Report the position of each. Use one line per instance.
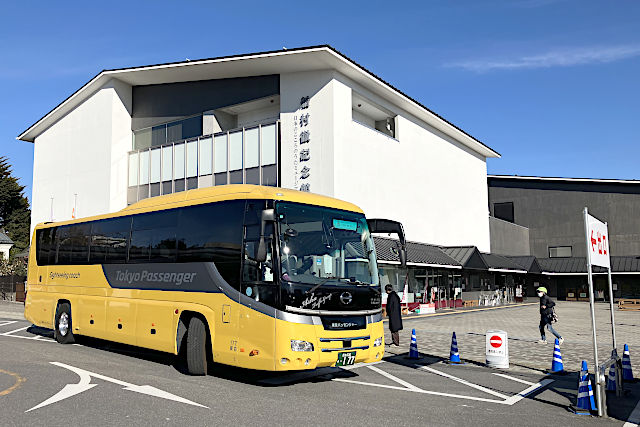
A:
(217, 194)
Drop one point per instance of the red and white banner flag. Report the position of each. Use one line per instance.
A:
(404, 299)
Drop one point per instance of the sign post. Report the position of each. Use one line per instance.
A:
(597, 239)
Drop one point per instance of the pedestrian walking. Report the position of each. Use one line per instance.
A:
(546, 315)
(394, 314)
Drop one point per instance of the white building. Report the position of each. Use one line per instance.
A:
(308, 118)
(5, 245)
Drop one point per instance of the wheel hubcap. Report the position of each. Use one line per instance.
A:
(63, 324)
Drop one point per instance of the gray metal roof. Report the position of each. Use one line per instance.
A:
(529, 263)
(5, 239)
(419, 253)
(619, 264)
(500, 262)
(625, 264)
(468, 256)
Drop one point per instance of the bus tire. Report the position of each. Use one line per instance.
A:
(197, 347)
(63, 329)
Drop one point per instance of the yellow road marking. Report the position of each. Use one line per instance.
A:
(464, 311)
(18, 383)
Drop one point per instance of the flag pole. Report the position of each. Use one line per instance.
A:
(599, 386)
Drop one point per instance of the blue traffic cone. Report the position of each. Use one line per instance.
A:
(454, 356)
(585, 402)
(556, 364)
(627, 372)
(611, 380)
(413, 348)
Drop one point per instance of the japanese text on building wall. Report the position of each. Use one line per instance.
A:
(302, 146)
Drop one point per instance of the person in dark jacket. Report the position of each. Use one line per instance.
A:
(394, 314)
(546, 315)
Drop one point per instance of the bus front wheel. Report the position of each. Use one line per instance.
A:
(197, 347)
(63, 328)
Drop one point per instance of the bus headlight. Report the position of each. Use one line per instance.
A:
(377, 342)
(299, 345)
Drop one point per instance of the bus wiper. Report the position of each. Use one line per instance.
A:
(320, 284)
(352, 280)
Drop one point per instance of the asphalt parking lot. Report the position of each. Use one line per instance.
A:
(101, 383)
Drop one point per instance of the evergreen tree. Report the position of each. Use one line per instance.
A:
(15, 215)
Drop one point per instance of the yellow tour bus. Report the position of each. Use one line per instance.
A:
(251, 276)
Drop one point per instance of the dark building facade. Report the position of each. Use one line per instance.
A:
(551, 208)
(552, 211)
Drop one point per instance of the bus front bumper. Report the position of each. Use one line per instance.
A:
(330, 348)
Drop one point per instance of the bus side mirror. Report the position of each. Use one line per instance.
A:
(389, 226)
(402, 253)
(261, 253)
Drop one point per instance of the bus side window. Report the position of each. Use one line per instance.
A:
(213, 233)
(109, 240)
(73, 244)
(43, 238)
(153, 237)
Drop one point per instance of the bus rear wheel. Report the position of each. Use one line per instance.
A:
(63, 328)
(197, 347)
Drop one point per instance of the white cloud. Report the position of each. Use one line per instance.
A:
(556, 58)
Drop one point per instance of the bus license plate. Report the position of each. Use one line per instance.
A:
(346, 358)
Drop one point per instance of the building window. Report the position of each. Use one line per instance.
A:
(559, 251)
(167, 133)
(245, 155)
(370, 114)
(503, 211)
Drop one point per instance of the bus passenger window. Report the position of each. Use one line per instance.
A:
(153, 237)
(213, 233)
(73, 244)
(109, 240)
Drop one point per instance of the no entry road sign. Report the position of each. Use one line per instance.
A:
(497, 349)
(495, 341)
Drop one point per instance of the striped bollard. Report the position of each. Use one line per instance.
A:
(413, 348)
(557, 365)
(585, 403)
(627, 372)
(611, 380)
(454, 355)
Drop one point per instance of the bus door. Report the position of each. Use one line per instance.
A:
(258, 294)
(42, 309)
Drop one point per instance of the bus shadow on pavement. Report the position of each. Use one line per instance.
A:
(231, 373)
(42, 332)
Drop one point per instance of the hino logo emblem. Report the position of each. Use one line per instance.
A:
(346, 298)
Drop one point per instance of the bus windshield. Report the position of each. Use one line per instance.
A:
(322, 246)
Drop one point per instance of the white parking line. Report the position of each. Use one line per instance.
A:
(8, 322)
(435, 393)
(6, 334)
(71, 390)
(506, 400)
(634, 418)
(524, 393)
(393, 378)
(514, 379)
(361, 365)
(36, 338)
(465, 382)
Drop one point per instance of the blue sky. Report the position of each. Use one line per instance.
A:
(553, 85)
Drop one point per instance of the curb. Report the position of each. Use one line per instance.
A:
(419, 316)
